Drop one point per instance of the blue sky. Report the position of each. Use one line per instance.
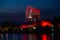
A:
(21, 4)
(49, 8)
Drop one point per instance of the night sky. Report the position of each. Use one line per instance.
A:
(14, 10)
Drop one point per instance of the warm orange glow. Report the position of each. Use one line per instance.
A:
(45, 23)
(44, 37)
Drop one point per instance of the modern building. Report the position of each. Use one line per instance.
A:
(32, 14)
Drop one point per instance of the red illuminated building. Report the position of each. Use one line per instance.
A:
(32, 14)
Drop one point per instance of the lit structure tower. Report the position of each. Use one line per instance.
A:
(32, 14)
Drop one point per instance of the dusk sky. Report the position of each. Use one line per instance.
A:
(15, 9)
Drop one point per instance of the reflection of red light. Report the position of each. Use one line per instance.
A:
(45, 23)
(24, 26)
(44, 37)
(25, 37)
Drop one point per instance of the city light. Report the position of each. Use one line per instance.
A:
(24, 26)
(32, 28)
(45, 23)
